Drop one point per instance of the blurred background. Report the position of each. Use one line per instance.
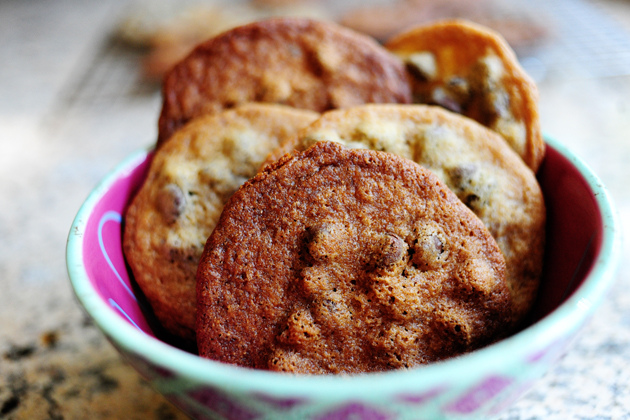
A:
(80, 90)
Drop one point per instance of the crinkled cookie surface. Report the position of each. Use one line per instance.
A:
(338, 260)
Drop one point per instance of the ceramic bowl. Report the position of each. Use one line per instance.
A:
(583, 247)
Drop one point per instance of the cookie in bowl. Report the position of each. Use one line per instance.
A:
(189, 181)
(337, 260)
(472, 160)
(297, 62)
(470, 69)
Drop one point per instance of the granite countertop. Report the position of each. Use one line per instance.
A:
(72, 106)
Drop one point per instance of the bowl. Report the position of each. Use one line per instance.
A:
(583, 248)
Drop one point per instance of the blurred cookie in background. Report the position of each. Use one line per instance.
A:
(518, 24)
(166, 33)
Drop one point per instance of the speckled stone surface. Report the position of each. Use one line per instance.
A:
(72, 107)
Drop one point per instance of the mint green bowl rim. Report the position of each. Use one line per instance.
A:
(196, 371)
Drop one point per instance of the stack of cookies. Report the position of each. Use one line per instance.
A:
(320, 203)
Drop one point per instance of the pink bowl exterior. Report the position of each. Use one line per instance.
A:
(576, 232)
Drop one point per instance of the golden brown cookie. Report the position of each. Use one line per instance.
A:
(471, 70)
(293, 61)
(343, 261)
(189, 181)
(473, 161)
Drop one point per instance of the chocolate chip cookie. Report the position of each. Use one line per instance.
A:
(298, 62)
(471, 70)
(189, 181)
(473, 161)
(339, 260)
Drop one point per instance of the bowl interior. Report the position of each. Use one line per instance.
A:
(102, 252)
(575, 231)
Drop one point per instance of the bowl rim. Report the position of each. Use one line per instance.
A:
(567, 317)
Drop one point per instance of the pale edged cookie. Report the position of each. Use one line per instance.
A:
(470, 69)
(189, 181)
(298, 62)
(338, 260)
(473, 161)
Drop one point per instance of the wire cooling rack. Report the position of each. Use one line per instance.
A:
(584, 42)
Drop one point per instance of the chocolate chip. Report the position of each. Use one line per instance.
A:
(430, 248)
(324, 241)
(170, 202)
(485, 82)
(461, 178)
(464, 181)
(392, 250)
(316, 242)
